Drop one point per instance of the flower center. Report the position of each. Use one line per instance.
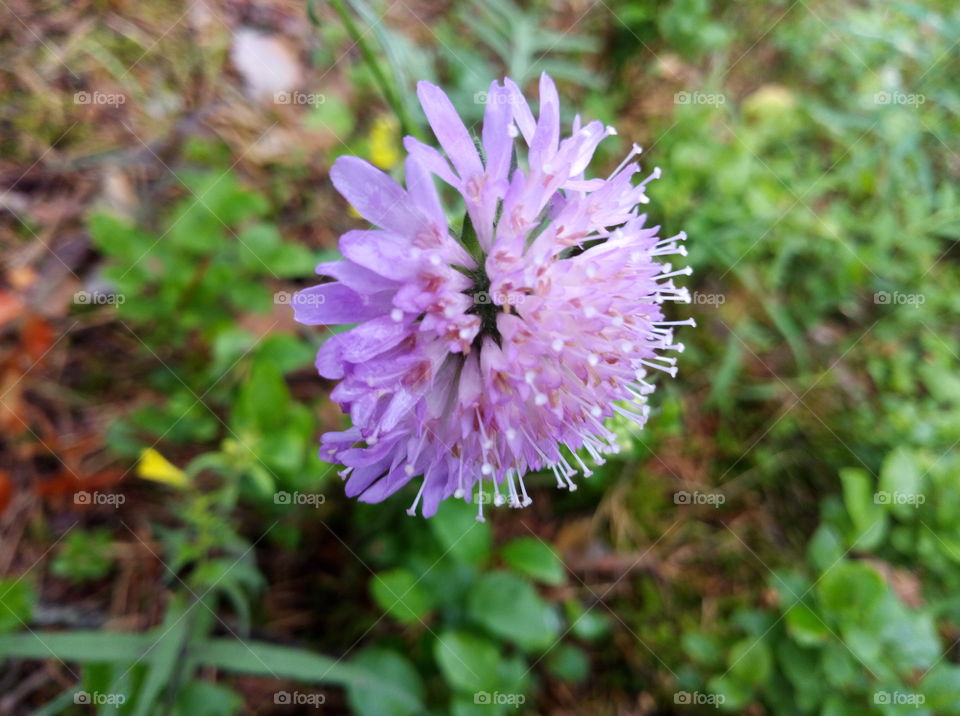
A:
(483, 306)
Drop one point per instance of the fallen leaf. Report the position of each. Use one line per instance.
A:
(11, 306)
(37, 337)
(6, 490)
(266, 63)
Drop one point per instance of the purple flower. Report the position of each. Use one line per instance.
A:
(487, 352)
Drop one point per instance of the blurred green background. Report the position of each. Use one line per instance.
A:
(782, 538)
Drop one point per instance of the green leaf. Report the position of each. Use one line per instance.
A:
(868, 516)
(728, 693)
(468, 662)
(702, 648)
(17, 598)
(941, 687)
(569, 663)
(203, 698)
(750, 661)
(285, 351)
(850, 589)
(296, 664)
(587, 623)
(910, 635)
(80, 646)
(840, 667)
(399, 593)
(460, 534)
(229, 346)
(536, 559)
(805, 625)
(825, 548)
(293, 261)
(118, 239)
(264, 401)
(84, 555)
(395, 669)
(163, 658)
(901, 482)
(333, 115)
(510, 608)
(257, 245)
(801, 667)
(232, 655)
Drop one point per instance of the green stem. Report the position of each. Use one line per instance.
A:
(387, 85)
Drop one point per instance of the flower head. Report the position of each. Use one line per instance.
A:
(499, 348)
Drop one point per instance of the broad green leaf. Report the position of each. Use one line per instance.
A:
(460, 534)
(589, 623)
(805, 625)
(801, 667)
(702, 648)
(510, 608)
(841, 669)
(850, 589)
(285, 351)
(910, 635)
(901, 482)
(400, 593)
(826, 548)
(257, 245)
(264, 401)
(569, 663)
(469, 662)
(941, 687)
(727, 693)
(393, 668)
(750, 661)
(535, 558)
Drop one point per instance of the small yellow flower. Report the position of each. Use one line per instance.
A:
(154, 466)
(384, 140)
(770, 100)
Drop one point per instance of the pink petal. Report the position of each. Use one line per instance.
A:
(449, 129)
(332, 303)
(377, 197)
(385, 254)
